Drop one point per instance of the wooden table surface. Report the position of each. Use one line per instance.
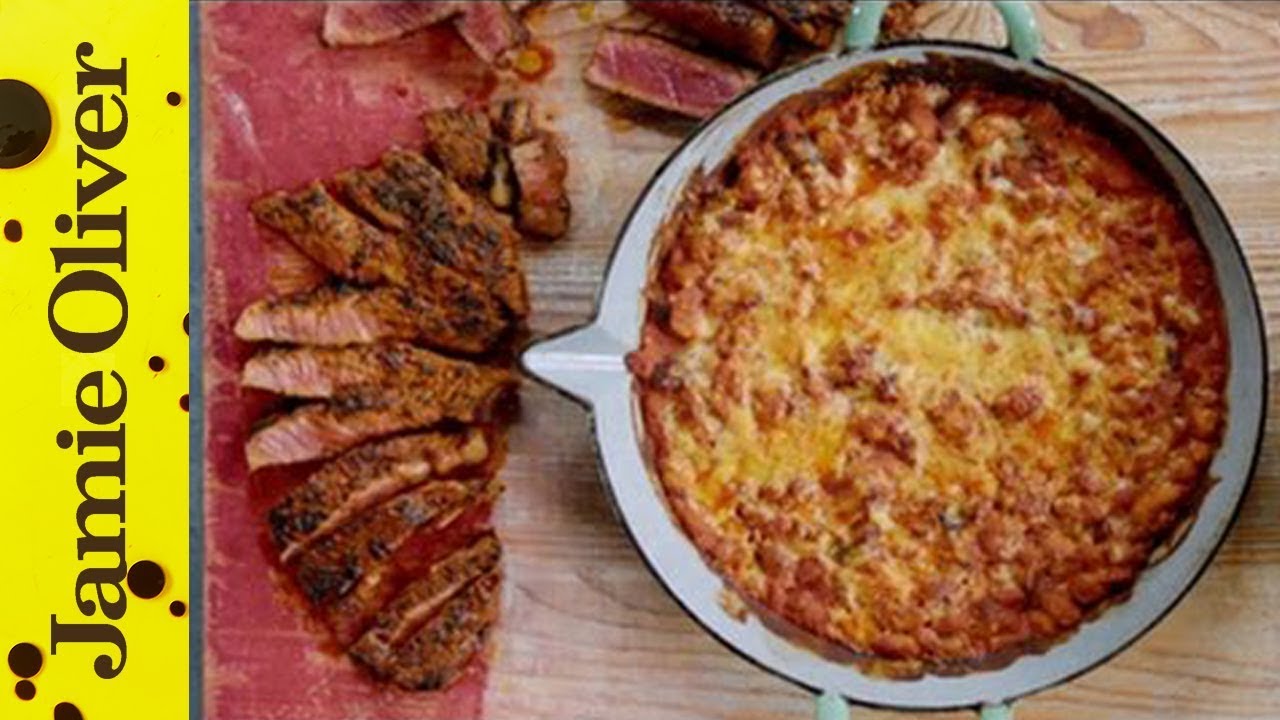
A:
(588, 633)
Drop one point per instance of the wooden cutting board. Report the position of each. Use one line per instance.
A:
(586, 632)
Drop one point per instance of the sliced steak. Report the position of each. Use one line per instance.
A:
(420, 600)
(813, 21)
(332, 566)
(366, 476)
(328, 233)
(659, 73)
(441, 223)
(370, 23)
(332, 372)
(349, 615)
(460, 141)
(495, 253)
(451, 317)
(513, 124)
(488, 252)
(463, 393)
(742, 31)
(540, 168)
(491, 29)
(512, 120)
(355, 249)
(438, 652)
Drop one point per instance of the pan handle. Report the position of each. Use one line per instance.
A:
(1019, 24)
(830, 706)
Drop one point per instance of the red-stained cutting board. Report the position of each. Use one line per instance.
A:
(586, 633)
(280, 109)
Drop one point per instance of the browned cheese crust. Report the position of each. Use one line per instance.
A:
(930, 373)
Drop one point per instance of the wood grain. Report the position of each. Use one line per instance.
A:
(587, 633)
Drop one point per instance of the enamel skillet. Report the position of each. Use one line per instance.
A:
(587, 364)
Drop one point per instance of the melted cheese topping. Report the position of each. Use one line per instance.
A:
(929, 374)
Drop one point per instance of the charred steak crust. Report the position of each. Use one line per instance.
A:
(334, 565)
(438, 652)
(460, 140)
(743, 31)
(334, 372)
(333, 236)
(813, 21)
(450, 318)
(512, 120)
(353, 248)
(361, 478)
(502, 153)
(422, 599)
(350, 615)
(462, 392)
(442, 222)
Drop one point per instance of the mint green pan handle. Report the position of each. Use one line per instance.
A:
(1019, 23)
(830, 706)
(861, 34)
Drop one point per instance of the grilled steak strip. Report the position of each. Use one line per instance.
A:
(460, 141)
(370, 23)
(441, 223)
(332, 566)
(461, 392)
(743, 31)
(813, 21)
(450, 318)
(420, 600)
(438, 652)
(328, 233)
(350, 615)
(659, 73)
(356, 250)
(491, 29)
(331, 372)
(540, 169)
(363, 477)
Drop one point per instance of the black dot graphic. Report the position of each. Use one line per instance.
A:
(173, 99)
(66, 711)
(156, 363)
(12, 230)
(25, 660)
(184, 402)
(145, 579)
(25, 123)
(25, 689)
(64, 439)
(177, 608)
(186, 323)
(62, 223)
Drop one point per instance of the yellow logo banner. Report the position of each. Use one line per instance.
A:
(94, 164)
